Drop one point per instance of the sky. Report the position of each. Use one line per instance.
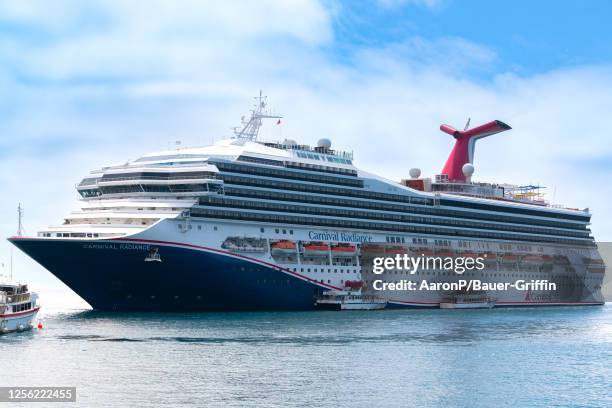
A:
(86, 83)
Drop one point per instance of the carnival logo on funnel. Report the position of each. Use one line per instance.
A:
(339, 236)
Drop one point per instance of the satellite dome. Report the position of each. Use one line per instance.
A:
(290, 142)
(415, 172)
(324, 143)
(468, 169)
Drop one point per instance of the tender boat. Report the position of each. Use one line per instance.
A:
(468, 301)
(350, 298)
(316, 249)
(283, 247)
(343, 249)
(395, 249)
(18, 307)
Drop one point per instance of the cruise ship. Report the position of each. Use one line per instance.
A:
(246, 224)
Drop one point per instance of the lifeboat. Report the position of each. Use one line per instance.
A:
(547, 258)
(594, 265)
(509, 258)
(344, 250)
(316, 249)
(372, 248)
(353, 284)
(423, 251)
(472, 255)
(490, 256)
(395, 249)
(532, 259)
(593, 261)
(596, 268)
(561, 260)
(537, 259)
(283, 247)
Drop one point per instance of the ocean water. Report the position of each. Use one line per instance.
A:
(480, 358)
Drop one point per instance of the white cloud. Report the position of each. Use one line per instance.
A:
(89, 87)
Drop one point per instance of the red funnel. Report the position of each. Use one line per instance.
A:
(463, 151)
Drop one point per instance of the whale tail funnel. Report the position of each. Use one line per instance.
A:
(463, 151)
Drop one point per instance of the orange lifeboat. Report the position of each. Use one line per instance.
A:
(538, 259)
(316, 249)
(354, 284)
(283, 247)
(594, 265)
(372, 248)
(472, 255)
(424, 251)
(395, 249)
(509, 258)
(547, 258)
(344, 249)
(490, 256)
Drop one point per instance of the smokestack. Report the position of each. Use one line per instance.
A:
(463, 151)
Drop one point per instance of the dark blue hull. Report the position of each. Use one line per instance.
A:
(113, 275)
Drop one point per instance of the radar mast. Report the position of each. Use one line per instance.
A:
(250, 128)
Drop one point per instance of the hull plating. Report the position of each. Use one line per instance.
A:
(114, 275)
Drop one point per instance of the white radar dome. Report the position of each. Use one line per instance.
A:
(290, 142)
(468, 169)
(415, 172)
(324, 143)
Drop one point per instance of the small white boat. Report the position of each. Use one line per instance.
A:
(18, 307)
(468, 301)
(349, 299)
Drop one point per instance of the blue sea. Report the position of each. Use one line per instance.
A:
(480, 358)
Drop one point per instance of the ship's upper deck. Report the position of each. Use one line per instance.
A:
(242, 178)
